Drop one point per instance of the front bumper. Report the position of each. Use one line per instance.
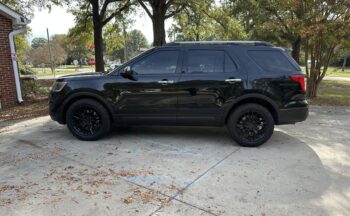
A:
(55, 107)
(57, 116)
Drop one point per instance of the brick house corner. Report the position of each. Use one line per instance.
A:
(11, 23)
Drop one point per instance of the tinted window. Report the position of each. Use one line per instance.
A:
(229, 65)
(272, 61)
(205, 61)
(164, 61)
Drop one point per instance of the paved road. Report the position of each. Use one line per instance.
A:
(302, 170)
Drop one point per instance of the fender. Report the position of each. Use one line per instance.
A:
(253, 96)
(79, 95)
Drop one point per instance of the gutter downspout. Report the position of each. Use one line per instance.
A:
(14, 62)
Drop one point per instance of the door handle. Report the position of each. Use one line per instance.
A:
(165, 82)
(231, 81)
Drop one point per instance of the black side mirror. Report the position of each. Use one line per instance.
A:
(128, 73)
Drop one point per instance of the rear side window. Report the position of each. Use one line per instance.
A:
(205, 61)
(272, 60)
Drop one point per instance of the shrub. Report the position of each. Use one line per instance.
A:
(33, 89)
(26, 70)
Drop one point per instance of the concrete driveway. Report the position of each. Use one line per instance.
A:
(303, 170)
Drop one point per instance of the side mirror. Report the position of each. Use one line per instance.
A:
(128, 73)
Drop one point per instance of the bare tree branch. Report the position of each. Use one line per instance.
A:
(104, 7)
(110, 17)
(145, 8)
(172, 13)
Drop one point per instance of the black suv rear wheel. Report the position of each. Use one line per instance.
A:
(250, 125)
(88, 120)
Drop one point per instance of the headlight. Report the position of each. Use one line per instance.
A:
(58, 86)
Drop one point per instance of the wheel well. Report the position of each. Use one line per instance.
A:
(259, 101)
(73, 100)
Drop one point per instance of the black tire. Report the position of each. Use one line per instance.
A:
(88, 120)
(250, 125)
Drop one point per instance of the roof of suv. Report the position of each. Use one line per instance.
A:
(242, 43)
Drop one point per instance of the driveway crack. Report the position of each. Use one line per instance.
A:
(194, 181)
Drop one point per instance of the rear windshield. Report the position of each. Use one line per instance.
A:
(272, 60)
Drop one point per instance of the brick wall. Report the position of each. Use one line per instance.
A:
(8, 96)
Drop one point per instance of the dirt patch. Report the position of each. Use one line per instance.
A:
(146, 196)
(12, 193)
(87, 182)
(30, 109)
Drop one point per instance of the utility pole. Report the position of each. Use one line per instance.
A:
(125, 43)
(48, 43)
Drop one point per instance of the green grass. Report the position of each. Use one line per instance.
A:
(333, 93)
(335, 72)
(82, 67)
(47, 72)
(69, 69)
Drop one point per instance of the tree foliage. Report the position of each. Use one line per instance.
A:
(22, 47)
(114, 40)
(79, 38)
(325, 25)
(99, 13)
(205, 21)
(317, 26)
(122, 45)
(26, 7)
(38, 42)
(41, 54)
(342, 53)
(270, 20)
(137, 40)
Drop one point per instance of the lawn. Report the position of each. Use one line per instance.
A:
(335, 72)
(69, 69)
(333, 93)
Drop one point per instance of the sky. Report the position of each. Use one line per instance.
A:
(59, 21)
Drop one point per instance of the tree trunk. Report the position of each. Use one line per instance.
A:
(344, 63)
(296, 49)
(98, 40)
(158, 29)
(313, 83)
(99, 63)
(313, 89)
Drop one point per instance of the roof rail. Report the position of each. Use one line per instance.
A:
(244, 43)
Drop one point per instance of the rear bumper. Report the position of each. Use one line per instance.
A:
(293, 115)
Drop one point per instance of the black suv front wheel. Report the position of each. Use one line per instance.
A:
(250, 125)
(88, 120)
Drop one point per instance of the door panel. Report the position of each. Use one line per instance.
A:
(152, 98)
(204, 94)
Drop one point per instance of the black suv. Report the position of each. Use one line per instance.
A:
(248, 86)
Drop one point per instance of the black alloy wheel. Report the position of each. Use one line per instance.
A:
(88, 119)
(250, 125)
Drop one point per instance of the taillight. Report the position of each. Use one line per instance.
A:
(299, 79)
